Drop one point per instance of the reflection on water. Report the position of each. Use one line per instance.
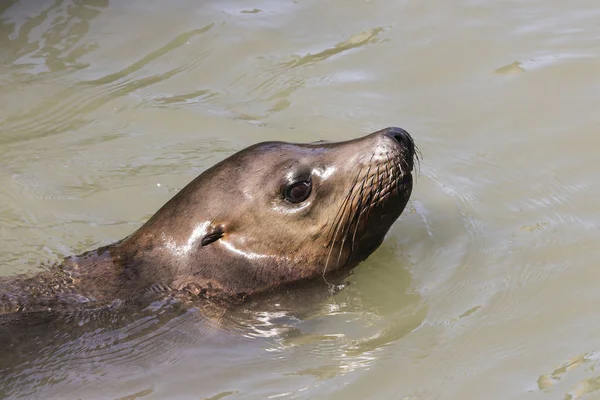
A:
(485, 288)
(301, 333)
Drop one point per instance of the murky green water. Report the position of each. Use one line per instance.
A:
(486, 288)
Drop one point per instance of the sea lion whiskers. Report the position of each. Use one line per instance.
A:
(367, 198)
(361, 206)
(353, 217)
(348, 215)
(333, 232)
(368, 190)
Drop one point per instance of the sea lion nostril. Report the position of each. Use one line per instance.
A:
(397, 133)
(399, 137)
(402, 137)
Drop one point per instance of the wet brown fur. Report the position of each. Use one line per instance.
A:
(230, 234)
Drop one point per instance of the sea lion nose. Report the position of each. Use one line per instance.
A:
(402, 137)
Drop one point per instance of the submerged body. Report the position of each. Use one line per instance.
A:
(268, 216)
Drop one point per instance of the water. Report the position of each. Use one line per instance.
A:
(487, 286)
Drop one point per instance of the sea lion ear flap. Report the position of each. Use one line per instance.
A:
(214, 233)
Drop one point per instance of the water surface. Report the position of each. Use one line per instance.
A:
(486, 288)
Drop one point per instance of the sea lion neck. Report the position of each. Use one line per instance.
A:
(87, 279)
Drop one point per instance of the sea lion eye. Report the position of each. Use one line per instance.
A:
(298, 191)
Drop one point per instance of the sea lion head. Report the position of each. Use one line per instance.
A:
(276, 213)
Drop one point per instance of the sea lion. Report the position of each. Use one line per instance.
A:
(268, 216)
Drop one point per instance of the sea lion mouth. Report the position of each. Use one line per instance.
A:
(371, 198)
